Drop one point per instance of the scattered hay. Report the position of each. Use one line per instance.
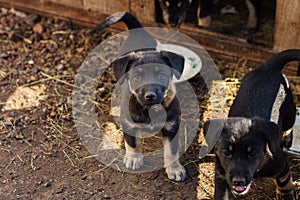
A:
(220, 98)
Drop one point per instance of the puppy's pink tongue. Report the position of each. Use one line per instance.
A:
(239, 188)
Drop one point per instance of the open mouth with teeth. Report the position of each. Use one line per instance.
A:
(241, 190)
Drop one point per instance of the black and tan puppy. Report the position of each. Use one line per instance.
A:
(253, 139)
(148, 101)
(174, 11)
(149, 105)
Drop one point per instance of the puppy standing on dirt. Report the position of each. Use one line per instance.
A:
(258, 129)
(148, 101)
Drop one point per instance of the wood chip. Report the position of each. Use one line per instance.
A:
(38, 28)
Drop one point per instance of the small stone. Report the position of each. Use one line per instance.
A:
(32, 78)
(38, 28)
(52, 113)
(19, 136)
(30, 62)
(48, 184)
(101, 190)
(60, 67)
(102, 91)
(59, 191)
(84, 177)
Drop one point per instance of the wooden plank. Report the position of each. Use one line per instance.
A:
(228, 46)
(79, 15)
(106, 6)
(144, 10)
(287, 24)
(72, 3)
(219, 45)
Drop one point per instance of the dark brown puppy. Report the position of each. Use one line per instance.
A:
(149, 105)
(259, 128)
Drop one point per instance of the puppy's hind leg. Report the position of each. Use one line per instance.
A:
(133, 158)
(174, 169)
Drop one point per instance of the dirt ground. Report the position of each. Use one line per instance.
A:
(41, 154)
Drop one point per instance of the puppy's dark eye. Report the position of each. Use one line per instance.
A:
(179, 4)
(136, 77)
(162, 77)
(251, 152)
(226, 152)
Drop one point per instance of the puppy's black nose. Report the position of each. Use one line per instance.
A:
(150, 96)
(239, 181)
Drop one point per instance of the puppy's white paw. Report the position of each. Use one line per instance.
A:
(204, 22)
(176, 173)
(133, 160)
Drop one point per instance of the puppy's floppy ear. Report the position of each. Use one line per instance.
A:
(212, 130)
(122, 65)
(212, 126)
(175, 61)
(271, 133)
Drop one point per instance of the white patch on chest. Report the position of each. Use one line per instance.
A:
(226, 195)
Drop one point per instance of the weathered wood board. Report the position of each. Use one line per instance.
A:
(90, 12)
(287, 24)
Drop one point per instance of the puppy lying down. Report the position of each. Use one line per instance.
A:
(253, 140)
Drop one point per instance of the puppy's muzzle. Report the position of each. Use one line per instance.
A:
(240, 185)
(176, 21)
(150, 96)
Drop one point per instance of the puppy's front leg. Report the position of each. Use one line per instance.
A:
(204, 13)
(252, 23)
(133, 158)
(287, 139)
(174, 169)
(285, 189)
(221, 190)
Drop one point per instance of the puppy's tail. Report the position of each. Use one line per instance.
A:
(278, 61)
(137, 39)
(130, 21)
